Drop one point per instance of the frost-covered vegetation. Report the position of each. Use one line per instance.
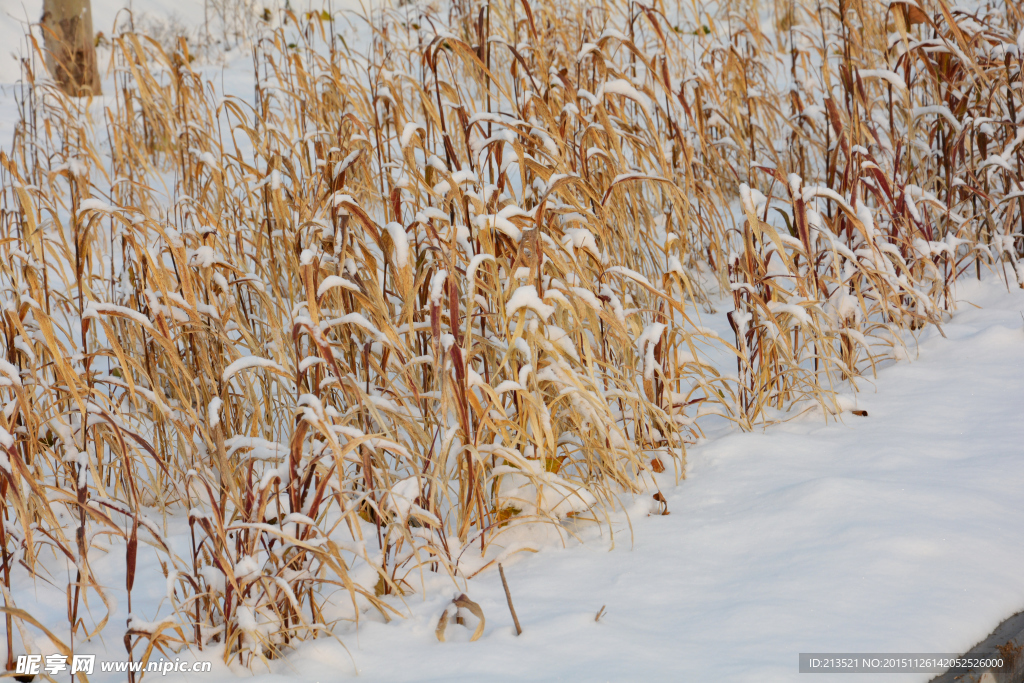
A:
(423, 289)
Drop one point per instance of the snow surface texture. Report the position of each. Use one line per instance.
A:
(901, 531)
(897, 532)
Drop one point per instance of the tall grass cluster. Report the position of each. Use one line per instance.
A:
(417, 291)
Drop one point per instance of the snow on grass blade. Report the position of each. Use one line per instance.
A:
(423, 287)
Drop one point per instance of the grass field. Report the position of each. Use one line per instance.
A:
(441, 276)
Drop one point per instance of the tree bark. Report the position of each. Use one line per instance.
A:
(70, 48)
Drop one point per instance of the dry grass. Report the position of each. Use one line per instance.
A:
(412, 295)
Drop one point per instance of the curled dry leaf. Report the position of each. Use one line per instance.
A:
(463, 602)
(662, 502)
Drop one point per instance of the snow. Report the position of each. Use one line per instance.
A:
(213, 412)
(358, 320)
(891, 77)
(632, 274)
(526, 297)
(582, 238)
(6, 441)
(94, 309)
(94, 204)
(332, 281)
(410, 130)
(401, 498)
(646, 342)
(471, 269)
(940, 110)
(899, 531)
(437, 287)
(400, 242)
(249, 362)
(502, 221)
(204, 257)
(896, 532)
(798, 313)
(536, 491)
(9, 374)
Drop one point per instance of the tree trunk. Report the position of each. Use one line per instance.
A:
(70, 49)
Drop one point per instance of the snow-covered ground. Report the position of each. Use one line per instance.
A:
(901, 531)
